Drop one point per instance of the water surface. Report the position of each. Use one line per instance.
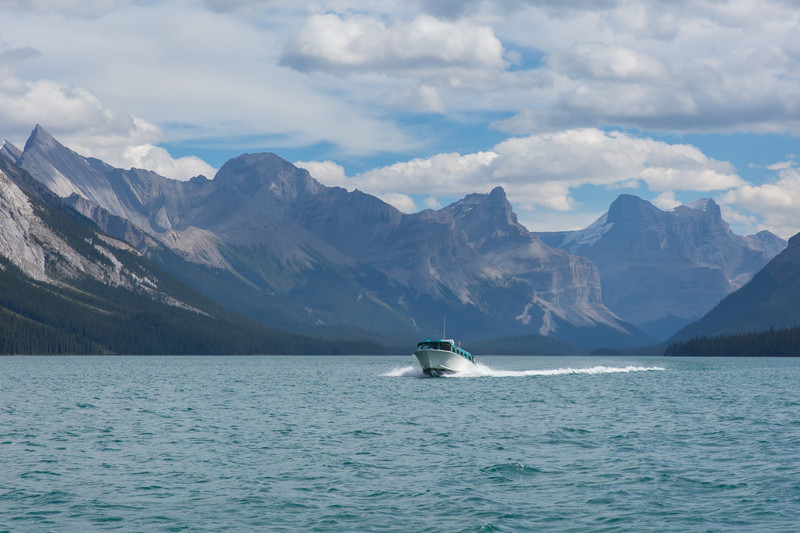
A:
(368, 443)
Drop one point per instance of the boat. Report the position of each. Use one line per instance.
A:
(442, 356)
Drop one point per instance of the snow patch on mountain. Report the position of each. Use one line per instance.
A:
(589, 235)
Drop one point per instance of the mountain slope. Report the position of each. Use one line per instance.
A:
(66, 287)
(244, 252)
(769, 300)
(475, 255)
(265, 239)
(663, 269)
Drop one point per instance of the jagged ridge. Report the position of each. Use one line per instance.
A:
(322, 256)
(663, 269)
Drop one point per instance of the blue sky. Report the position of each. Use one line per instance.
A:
(566, 104)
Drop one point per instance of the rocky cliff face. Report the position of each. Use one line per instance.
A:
(663, 269)
(271, 242)
(48, 244)
(475, 251)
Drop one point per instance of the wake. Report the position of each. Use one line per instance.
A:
(482, 371)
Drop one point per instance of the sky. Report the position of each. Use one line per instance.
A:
(566, 104)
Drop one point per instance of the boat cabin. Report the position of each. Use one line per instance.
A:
(445, 345)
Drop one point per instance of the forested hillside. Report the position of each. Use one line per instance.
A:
(772, 343)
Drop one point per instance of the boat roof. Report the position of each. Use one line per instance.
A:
(445, 341)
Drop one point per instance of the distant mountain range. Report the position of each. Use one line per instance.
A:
(769, 300)
(661, 270)
(266, 241)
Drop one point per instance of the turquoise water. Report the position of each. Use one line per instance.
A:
(367, 444)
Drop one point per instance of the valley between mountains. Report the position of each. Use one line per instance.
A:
(263, 258)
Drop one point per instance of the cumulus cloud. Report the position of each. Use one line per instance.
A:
(328, 172)
(591, 156)
(543, 169)
(609, 62)
(403, 202)
(444, 174)
(775, 202)
(160, 161)
(82, 122)
(666, 201)
(361, 42)
(432, 203)
(721, 66)
(356, 79)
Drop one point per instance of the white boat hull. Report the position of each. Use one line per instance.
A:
(438, 362)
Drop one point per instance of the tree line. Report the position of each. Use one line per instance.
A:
(772, 343)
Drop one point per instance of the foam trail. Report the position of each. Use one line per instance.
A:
(483, 371)
(411, 371)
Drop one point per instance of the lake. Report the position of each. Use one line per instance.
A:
(369, 444)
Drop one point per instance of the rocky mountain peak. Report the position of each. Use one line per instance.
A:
(494, 206)
(704, 209)
(52, 163)
(662, 269)
(498, 193)
(41, 137)
(268, 177)
(10, 152)
(627, 209)
(488, 220)
(706, 205)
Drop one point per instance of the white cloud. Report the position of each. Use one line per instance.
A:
(782, 165)
(365, 78)
(203, 75)
(158, 160)
(83, 123)
(432, 203)
(610, 62)
(666, 201)
(443, 174)
(591, 156)
(711, 66)
(364, 42)
(328, 172)
(776, 203)
(543, 169)
(733, 216)
(402, 202)
(211, 70)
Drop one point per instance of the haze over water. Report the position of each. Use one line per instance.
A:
(360, 443)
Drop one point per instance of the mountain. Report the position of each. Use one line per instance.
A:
(475, 255)
(661, 270)
(68, 287)
(266, 240)
(240, 250)
(769, 300)
(10, 152)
